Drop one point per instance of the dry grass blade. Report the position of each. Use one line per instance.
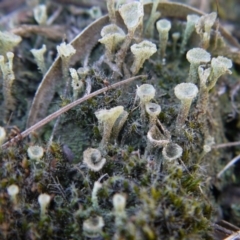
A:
(68, 107)
(231, 163)
(223, 145)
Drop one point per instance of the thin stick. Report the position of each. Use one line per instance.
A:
(230, 144)
(221, 229)
(232, 162)
(68, 107)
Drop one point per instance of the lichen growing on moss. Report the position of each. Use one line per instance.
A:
(164, 199)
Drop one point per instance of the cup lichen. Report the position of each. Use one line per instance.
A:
(139, 169)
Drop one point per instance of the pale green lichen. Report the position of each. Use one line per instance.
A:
(138, 173)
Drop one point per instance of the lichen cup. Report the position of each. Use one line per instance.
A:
(88, 38)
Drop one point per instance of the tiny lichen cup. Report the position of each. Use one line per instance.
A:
(185, 92)
(65, 51)
(175, 37)
(203, 28)
(92, 227)
(8, 41)
(196, 56)
(207, 147)
(119, 204)
(13, 191)
(153, 111)
(107, 118)
(39, 58)
(40, 14)
(118, 125)
(141, 51)
(156, 138)
(44, 201)
(132, 14)
(172, 151)
(163, 27)
(97, 185)
(92, 157)
(219, 66)
(35, 152)
(192, 19)
(112, 36)
(145, 92)
(3, 135)
(7, 69)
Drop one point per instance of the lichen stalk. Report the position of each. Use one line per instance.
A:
(111, 10)
(203, 92)
(8, 80)
(132, 14)
(163, 27)
(107, 119)
(190, 26)
(39, 57)
(185, 92)
(183, 113)
(96, 187)
(193, 75)
(175, 37)
(149, 29)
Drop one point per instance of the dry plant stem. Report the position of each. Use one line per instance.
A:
(53, 131)
(68, 107)
(55, 15)
(231, 144)
(83, 3)
(8, 6)
(220, 228)
(231, 163)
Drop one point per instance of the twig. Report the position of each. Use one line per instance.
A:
(221, 229)
(55, 15)
(232, 162)
(68, 107)
(231, 144)
(54, 32)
